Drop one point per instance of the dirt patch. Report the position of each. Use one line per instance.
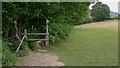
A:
(40, 59)
(104, 24)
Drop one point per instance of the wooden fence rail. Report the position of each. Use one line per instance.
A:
(38, 39)
(36, 33)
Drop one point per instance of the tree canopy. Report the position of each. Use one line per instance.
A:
(100, 11)
(28, 14)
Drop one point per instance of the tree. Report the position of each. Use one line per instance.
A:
(100, 11)
(28, 14)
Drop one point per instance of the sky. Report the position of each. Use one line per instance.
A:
(113, 4)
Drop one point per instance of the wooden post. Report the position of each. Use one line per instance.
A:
(47, 36)
(26, 38)
(25, 31)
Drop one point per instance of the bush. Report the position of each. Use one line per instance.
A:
(13, 45)
(8, 58)
(59, 31)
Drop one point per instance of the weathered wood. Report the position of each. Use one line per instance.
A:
(25, 33)
(16, 28)
(47, 37)
(38, 42)
(26, 38)
(38, 39)
(20, 44)
(36, 33)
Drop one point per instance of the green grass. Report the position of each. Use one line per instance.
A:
(88, 47)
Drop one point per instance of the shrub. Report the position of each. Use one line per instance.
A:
(59, 31)
(8, 58)
(13, 45)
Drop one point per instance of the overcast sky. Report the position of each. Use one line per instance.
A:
(113, 4)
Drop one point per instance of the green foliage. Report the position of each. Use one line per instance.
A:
(100, 11)
(32, 16)
(59, 31)
(24, 50)
(33, 46)
(8, 58)
(13, 45)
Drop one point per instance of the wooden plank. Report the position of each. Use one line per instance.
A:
(38, 39)
(37, 33)
(20, 44)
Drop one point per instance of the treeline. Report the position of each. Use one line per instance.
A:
(99, 12)
(17, 16)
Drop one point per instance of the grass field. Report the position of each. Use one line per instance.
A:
(93, 44)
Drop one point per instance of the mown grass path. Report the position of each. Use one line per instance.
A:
(93, 44)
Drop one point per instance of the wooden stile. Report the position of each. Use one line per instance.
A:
(26, 38)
